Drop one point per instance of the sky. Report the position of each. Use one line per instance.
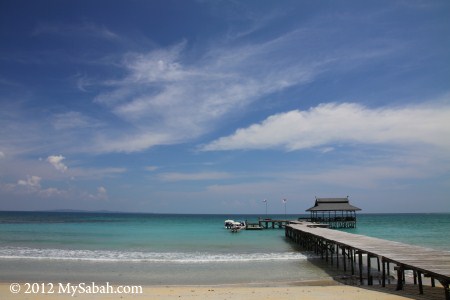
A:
(215, 106)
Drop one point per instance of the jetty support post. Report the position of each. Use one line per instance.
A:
(360, 267)
(369, 277)
(400, 277)
(445, 284)
(419, 279)
(337, 256)
(344, 260)
(352, 260)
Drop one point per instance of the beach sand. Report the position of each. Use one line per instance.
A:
(257, 292)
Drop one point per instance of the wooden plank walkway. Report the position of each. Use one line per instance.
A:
(328, 242)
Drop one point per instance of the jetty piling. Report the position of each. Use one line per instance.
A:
(269, 223)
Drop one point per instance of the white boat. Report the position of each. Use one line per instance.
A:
(235, 229)
(228, 223)
(235, 226)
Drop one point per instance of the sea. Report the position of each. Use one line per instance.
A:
(174, 249)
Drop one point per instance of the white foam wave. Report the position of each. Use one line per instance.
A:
(139, 256)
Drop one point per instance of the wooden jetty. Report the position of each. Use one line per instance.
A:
(269, 223)
(253, 226)
(333, 245)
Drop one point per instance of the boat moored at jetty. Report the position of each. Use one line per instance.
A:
(234, 226)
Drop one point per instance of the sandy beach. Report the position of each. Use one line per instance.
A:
(255, 292)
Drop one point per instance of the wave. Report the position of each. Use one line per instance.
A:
(139, 256)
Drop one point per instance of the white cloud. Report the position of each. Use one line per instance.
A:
(346, 123)
(193, 176)
(32, 186)
(31, 181)
(101, 194)
(56, 161)
(52, 192)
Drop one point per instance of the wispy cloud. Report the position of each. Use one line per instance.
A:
(175, 176)
(345, 123)
(166, 97)
(176, 94)
(82, 29)
(9, 83)
(73, 120)
(95, 173)
(331, 179)
(151, 168)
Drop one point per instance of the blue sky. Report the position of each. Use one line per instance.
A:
(214, 106)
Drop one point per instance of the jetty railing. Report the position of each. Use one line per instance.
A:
(333, 222)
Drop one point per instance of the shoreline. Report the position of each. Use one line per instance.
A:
(334, 286)
(286, 291)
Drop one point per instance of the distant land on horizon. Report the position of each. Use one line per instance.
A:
(168, 213)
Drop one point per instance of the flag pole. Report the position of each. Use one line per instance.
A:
(265, 201)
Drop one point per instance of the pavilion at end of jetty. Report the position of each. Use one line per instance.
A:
(336, 212)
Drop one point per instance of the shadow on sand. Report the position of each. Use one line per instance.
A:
(410, 290)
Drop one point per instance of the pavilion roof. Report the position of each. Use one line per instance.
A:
(333, 204)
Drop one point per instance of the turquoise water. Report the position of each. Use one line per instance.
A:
(428, 230)
(134, 236)
(178, 249)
